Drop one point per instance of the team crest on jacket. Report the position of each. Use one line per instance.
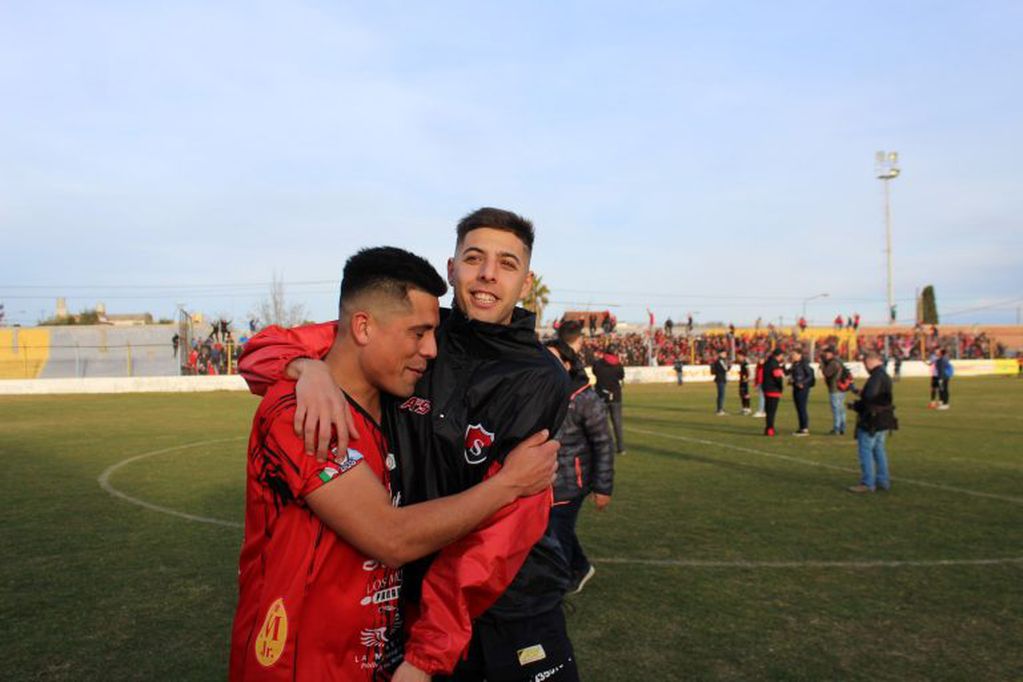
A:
(477, 441)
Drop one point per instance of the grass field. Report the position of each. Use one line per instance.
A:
(725, 555)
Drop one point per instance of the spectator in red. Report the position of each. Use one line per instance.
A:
(838, 322)
(773, 384)
(802, 324)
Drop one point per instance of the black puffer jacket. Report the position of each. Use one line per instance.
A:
(586, 458)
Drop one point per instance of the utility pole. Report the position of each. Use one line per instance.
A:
(886, 166)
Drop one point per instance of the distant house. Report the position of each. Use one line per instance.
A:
(127, 319)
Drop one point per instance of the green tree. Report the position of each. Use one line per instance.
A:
(537, 298)
(928, 306)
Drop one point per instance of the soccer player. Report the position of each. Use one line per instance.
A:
(491, 386)
(318, 581)
(740, 357)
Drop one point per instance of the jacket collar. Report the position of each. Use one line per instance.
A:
(487, 339)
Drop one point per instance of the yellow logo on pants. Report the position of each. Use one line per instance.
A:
(273, 634)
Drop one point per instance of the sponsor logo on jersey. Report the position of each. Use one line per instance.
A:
(416, 405)
(547, 674)
(390, 461)
(477, 441)
(273, 635)
(531, 654)
(381, 596)
(373, 637)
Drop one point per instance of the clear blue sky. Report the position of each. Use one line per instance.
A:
(704, 156)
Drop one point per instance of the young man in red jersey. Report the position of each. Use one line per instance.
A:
(319, 584)
(490, 603)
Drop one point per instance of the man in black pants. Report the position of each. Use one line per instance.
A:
(740, 358)
(774, 382)
(720, 371)
(943, 368)
(802, 378)
(609, 375)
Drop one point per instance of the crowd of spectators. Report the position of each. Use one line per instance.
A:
(634, 348)
(217, 354)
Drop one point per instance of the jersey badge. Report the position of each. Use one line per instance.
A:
(477, 441)
(273, 635)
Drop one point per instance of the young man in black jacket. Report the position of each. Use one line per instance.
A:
(585, 463)
(802, 379)
(491, 385)
(609, 375)
(772, 385)
(720, 371)
(876, 417)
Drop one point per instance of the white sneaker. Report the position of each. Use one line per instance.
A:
(721, 413)
(943, 406)
(760, 414)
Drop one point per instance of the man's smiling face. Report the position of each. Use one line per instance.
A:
(490, 274)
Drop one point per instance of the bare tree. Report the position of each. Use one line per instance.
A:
(276, 310)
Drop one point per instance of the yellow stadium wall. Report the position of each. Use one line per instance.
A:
(23, 352)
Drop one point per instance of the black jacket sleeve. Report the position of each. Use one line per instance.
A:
(598, 434)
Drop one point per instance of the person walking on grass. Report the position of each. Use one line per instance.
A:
(802, 379)
(720, 371)
(875, 412)
(585, 464)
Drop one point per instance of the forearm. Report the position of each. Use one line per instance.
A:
(422, 529)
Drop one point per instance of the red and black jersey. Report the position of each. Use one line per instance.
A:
(310, 606)
(744, 372)
(490, 387)
(774, 378)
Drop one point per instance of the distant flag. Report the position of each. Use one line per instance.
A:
(651, 314)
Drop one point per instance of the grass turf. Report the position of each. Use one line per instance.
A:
(765, 566)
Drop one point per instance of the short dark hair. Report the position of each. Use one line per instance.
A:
(391, 271)
(570, 331)
(497, 219)
(777, 351)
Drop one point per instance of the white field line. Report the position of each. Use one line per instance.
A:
(867, 563)
(810, 462)
(104, 482)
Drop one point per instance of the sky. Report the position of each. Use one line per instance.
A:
(706, 157)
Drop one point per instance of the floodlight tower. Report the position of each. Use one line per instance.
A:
(886, 167)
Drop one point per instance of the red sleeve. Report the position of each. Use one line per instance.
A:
(778, 372)
(267, 354)
(468, 576)
(282, 458)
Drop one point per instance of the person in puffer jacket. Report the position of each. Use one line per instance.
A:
(585, 464)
